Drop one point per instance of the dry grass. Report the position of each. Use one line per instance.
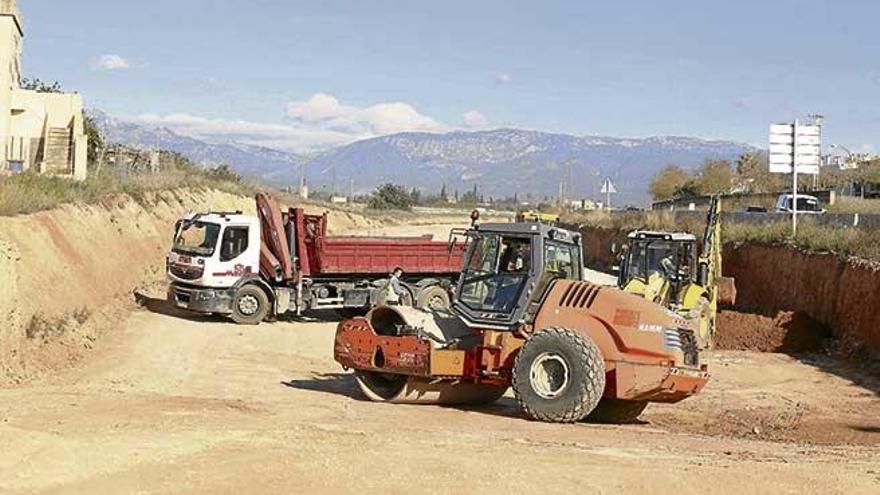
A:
(846, 204)
(861, 243)
(638, 220)
(30, 192)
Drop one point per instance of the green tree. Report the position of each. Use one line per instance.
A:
(714, 177)
(753, 173)
(391, 197)
(667, 181)
(96, 140)
(39, 86)
(687, 190)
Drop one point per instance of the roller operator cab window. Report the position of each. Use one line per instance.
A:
(235, 242)
(496, 272)
(197, 238)
(562, 260)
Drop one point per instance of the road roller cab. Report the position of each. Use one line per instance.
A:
(523, 318)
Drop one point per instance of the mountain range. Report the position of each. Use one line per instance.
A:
(266, 164)
(500, 162)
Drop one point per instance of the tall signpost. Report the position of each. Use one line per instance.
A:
(608, 189)
(795, 149)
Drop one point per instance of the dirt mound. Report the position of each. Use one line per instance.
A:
(59, 265)
(788, 332)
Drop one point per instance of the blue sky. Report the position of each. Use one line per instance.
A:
(304, 75)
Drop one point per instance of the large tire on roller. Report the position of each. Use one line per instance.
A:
(559, 376)
(617, 411)
(400, 389)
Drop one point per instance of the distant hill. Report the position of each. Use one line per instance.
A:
(501, 162)
(505, 161)
(270, 165)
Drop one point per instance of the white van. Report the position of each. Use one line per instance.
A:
(808, 205)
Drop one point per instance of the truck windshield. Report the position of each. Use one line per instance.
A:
(496, 271)
(197, 238)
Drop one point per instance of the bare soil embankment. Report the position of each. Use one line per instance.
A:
(61, 269)
(841, 294)
(787, 300)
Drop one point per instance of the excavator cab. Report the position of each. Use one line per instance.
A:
(658, 265)
(503, 264)
(671, 269)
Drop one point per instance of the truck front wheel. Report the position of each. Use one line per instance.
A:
(559, 376)
(251, 305)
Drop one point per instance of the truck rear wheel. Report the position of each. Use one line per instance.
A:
(251, 305)
(558, 376)
(433, 297)
(618, 411)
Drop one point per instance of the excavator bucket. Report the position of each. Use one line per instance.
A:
(726, 291)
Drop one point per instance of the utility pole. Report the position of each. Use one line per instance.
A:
(794, 175)
(302, 180)
(351, 189)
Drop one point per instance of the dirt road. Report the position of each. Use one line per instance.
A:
(172, 405)
(167, 404)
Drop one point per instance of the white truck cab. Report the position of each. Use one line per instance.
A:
(211, 254)
(808, 205)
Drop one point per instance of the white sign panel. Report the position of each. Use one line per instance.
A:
(784, 155)
(608, 187)
(782, 129)
(809, 130)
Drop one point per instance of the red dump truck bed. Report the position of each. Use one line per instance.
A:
(422, 255)
(295, 243)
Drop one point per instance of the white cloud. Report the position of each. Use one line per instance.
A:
(502, 78)
(324, 111)
(280, 136)
(312, 125)
(112, 62)
(474, 119)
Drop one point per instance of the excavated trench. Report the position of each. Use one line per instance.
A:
(787, 300)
